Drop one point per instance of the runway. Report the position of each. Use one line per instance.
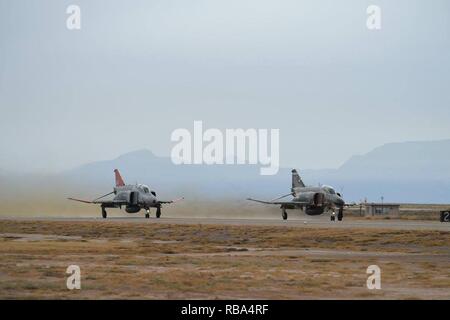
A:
(313, 222)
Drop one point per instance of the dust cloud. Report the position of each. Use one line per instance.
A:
(50, 200)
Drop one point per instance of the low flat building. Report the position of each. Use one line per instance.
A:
(382, 209)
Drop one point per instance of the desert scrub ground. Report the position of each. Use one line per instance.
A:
(169, 261)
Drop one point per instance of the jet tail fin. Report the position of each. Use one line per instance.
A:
(119, 180)
(296, 180)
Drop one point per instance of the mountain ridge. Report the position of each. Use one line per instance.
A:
(399, 171)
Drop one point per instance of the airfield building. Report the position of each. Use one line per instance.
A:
(382, 209)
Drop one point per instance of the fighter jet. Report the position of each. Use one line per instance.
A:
(133, 197)
(312, 200)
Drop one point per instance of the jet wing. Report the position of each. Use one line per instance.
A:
(298, 203)
(105, 202)
(170, 201)
(111, 202)
(80, 200)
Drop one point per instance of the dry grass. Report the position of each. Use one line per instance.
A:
(131, 260)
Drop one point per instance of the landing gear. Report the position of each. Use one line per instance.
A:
(340, 214)
(147, 214)
(284, 213)
(158, 212)
(104, 214)
(333, 216)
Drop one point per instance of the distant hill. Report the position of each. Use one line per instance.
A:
(407, 160)
(400, 172)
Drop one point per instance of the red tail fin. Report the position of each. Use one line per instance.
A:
(119, 180)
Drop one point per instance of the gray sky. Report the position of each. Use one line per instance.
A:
(137, 70)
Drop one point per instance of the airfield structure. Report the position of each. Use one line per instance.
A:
(382, 209)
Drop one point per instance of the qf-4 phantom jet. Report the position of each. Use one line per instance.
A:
(312, 200)
(132, 197)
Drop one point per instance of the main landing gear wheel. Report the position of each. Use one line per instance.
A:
(284, 214)
(104, 214)
(158, 212)
(147, 214)
(340, 214)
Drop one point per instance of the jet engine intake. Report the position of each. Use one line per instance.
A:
(319, 199)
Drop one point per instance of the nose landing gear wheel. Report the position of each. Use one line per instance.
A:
(158, 212)
(284, 214)
(340, 214)
(147, 214)
(104, 214)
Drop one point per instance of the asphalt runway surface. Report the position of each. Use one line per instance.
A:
(313, 222)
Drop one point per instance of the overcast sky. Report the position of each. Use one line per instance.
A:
(137, 70)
